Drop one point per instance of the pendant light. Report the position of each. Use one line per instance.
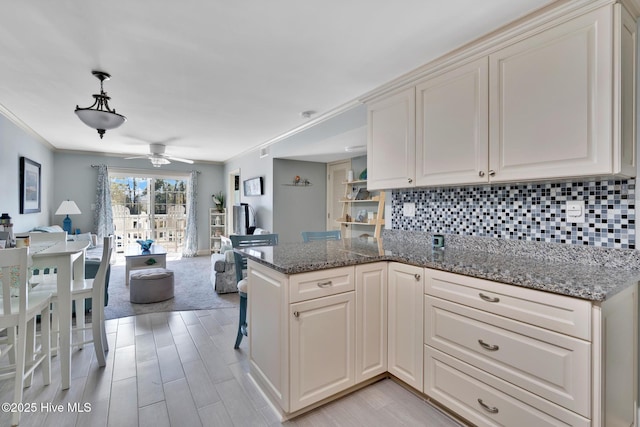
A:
(101, 117)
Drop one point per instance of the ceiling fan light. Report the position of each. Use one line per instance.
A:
(159, 161)
(99, 116)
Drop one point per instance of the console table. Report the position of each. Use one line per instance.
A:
(136, 259)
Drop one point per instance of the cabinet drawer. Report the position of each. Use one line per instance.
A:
(316, 284)
(554, 366)
(462, 388)
(558, 313)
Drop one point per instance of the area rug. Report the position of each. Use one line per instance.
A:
(192, 289)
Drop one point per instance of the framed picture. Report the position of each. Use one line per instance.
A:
(30, 190)
(253, 187)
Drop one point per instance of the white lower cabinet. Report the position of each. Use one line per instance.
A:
(371, 320)
(302, 333)
(322, 348)
(495, 354)
(405, 323)
(504, 355)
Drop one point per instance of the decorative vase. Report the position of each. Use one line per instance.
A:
(145, 245)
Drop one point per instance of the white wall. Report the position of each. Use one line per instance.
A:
(14, 143)
(251, 166)
(75, 179)
(298, 208)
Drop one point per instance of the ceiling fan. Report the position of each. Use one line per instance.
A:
(158, 158)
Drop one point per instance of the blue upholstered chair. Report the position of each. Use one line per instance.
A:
(309, 236)
(245, 241)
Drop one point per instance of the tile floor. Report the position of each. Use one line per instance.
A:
(180, 369)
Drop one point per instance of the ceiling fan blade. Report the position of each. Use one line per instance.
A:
(178, 159)
(137, 157)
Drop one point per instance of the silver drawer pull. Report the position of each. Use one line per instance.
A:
(488, 299)
(324, 284)
(296, 314)
(417, 277)
(488, 346)
(491, 410)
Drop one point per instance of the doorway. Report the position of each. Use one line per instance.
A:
(149, 207)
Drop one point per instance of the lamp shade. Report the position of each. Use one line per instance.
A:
(68, 207)
(100, 119)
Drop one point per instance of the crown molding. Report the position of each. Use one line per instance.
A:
(24, 127)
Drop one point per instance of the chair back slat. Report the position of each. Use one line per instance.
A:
(13, 273)
(247, 241)
(99, 281)
(310, 236)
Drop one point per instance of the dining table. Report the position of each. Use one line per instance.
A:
(68, 258)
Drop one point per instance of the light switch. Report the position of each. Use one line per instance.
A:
(409, 209)
(575, 211)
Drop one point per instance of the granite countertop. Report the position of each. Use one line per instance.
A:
(571, 278)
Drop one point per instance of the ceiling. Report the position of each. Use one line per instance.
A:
(213, 79)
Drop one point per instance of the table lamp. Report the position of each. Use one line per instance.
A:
(68, 207)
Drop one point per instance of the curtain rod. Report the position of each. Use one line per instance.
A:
(138, 170)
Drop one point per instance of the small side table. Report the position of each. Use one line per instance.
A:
(136, 259)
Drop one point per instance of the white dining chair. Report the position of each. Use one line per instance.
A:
(81, 290)
(18, 314)
(36, 238)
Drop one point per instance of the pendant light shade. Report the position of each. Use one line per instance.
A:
(99, 116)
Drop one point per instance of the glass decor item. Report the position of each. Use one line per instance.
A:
(145, 245)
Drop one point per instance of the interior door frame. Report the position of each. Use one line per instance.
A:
(231, 198)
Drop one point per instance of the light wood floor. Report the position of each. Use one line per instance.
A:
(180, 369)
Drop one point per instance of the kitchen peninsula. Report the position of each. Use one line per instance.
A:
(494, 332)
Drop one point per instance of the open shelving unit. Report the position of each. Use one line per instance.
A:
(351, 206)
(217, 228)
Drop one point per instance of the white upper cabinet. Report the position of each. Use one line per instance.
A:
(391, 141)
(551, 103)
(452, 134)
(545, 103)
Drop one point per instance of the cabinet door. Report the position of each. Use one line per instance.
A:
(371, 320)
(551, 102)
(405, 323)
(452, 126)
(322, 337)
(391, 141)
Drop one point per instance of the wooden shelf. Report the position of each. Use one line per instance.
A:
(348, 210)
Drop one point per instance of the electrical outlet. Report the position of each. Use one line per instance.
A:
(93, 206)
(574, 211)
(409, 209)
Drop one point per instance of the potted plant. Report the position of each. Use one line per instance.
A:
(218, 200)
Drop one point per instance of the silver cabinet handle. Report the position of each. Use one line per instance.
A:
(481, 174)
(296, 314)
(492, 173)
(417, 276)
(490, 409)
(489, 299)
(488, 346)
(409, 180)
(324, 284)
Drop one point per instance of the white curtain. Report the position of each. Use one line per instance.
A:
(191, 233)
(103, 215)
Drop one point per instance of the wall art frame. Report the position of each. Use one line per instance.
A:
(253, 187)
(30, 186)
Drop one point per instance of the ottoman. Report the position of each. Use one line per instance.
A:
(150, 285)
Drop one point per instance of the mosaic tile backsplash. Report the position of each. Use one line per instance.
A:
(534, 211)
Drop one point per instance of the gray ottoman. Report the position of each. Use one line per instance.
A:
(150, 285)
